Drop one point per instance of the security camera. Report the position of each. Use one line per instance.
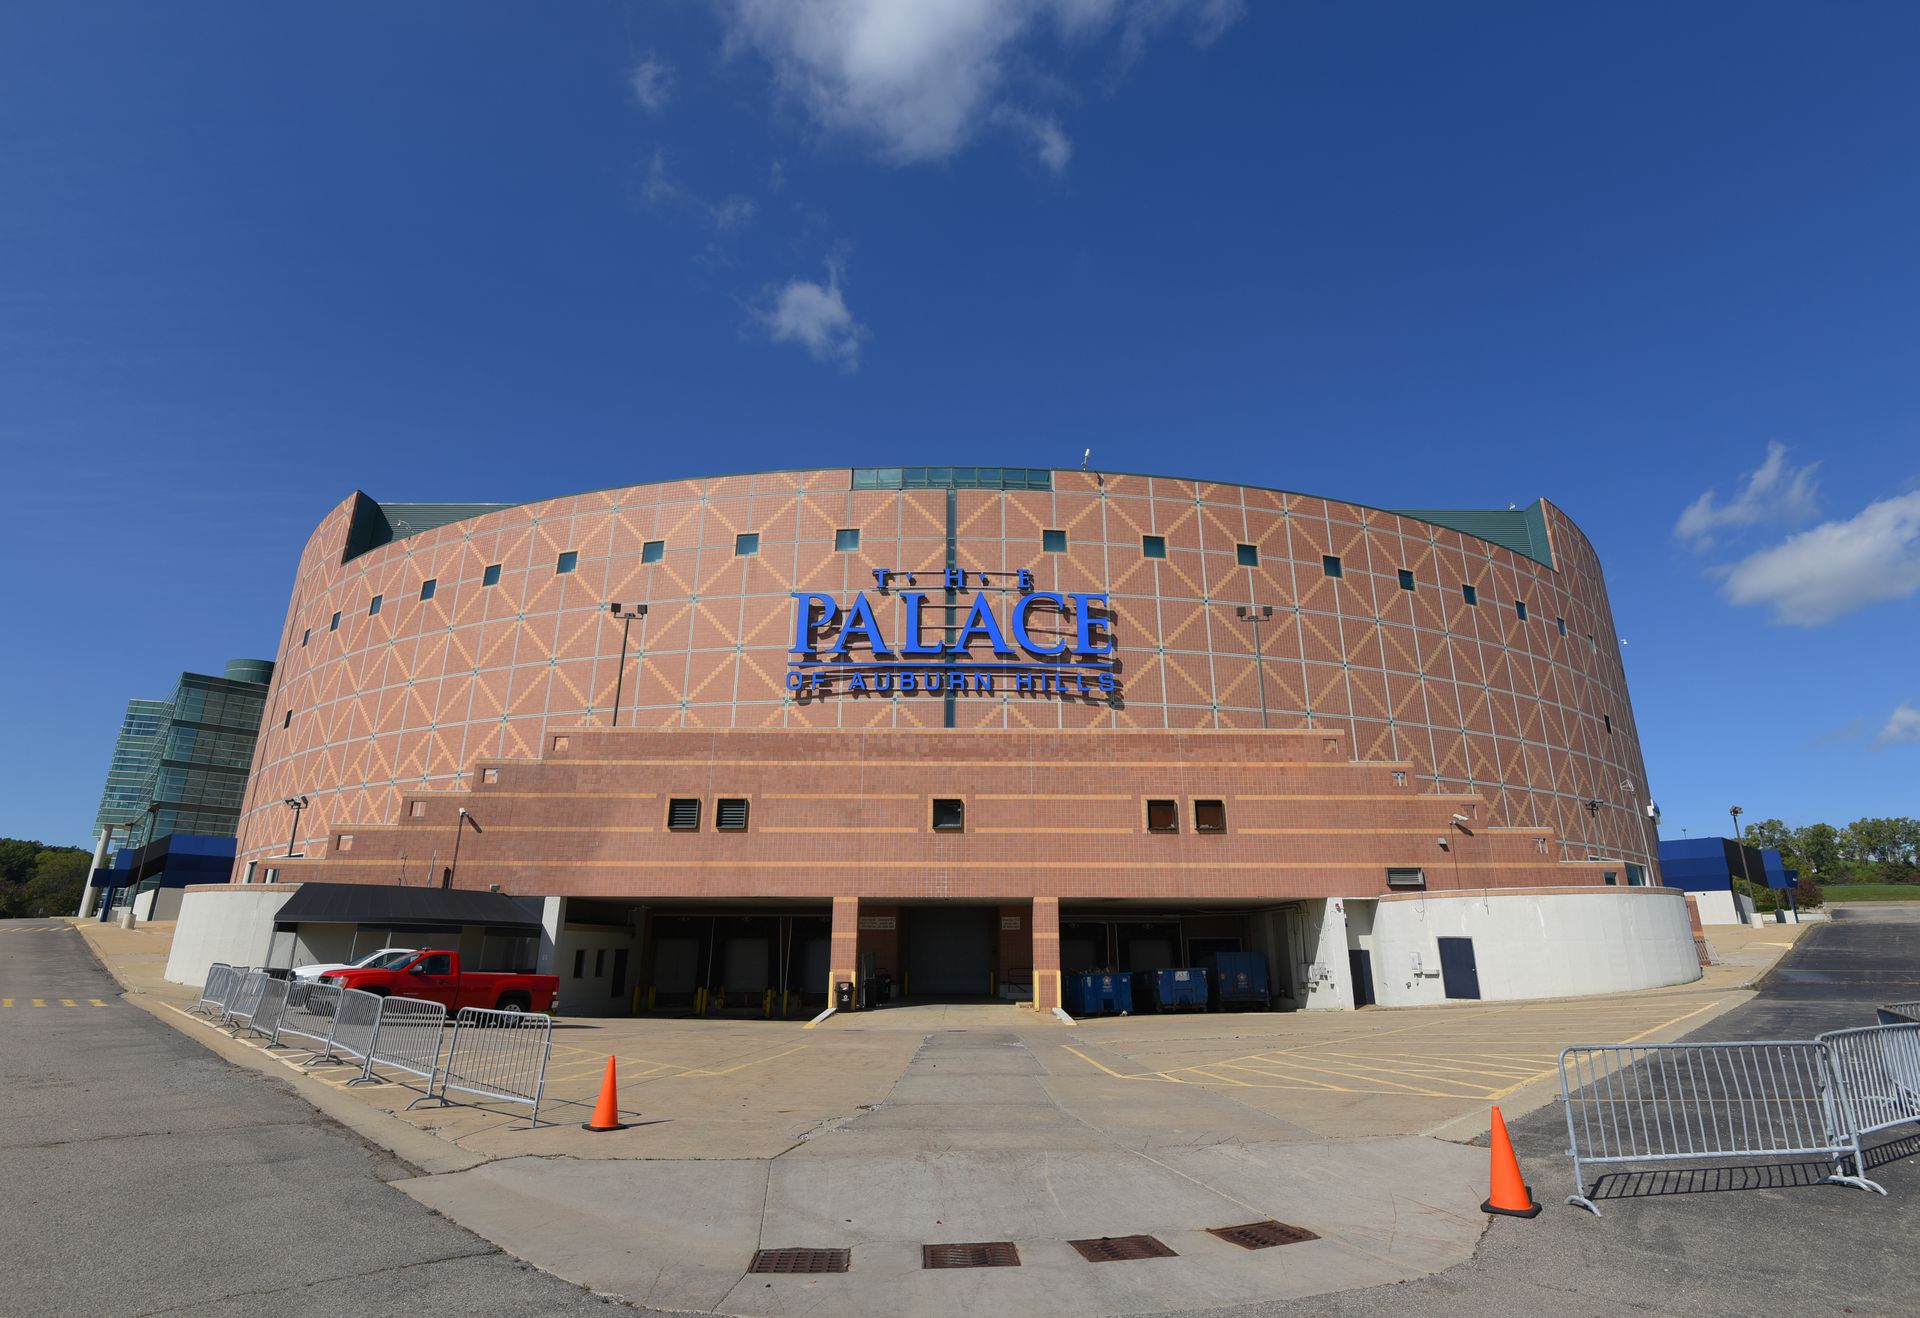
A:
(1461, 819)
(1443, 844)
(463, 810)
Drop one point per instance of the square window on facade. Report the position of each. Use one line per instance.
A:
(1247, 555)
(1209, 816)
(1163, 817)
(746, 544)
(567, 563)
(1406, 579)
(491, 577)
(1520, 610)
(1410, 877)
(1330, 564)
(1610, 878)
(846, 540)
(653, 551)
(373, 609)
(1608, 720)
(683, 814)
(418, 809)
(1469, 594)
(305, 636)
(730, 814)
(1153, 546)
(489, 775)
(599, 962)
(949, 815)
(333, 624)
(287, 722)
(428, 587)
(1560, 625)
(1053, 542)
(579, 962)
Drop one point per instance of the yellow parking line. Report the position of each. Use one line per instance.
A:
(1655, 1029)
(1295, 1060)
(1361, 1064)
(741, 1066)
(39, 1002)
(96, 1002)
(1100, 1066)
(1503, 1069)
(1300, 1081)
(6, 1002)
(68, 1002)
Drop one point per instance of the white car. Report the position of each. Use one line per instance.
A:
(385, 959)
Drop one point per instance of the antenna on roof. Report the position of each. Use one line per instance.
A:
(1083, 459)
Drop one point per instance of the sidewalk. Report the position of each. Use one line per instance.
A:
(918, 1125)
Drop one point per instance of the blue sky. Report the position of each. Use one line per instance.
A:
(1655, 262)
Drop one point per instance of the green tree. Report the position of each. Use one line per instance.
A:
(1819, 848)
(58, 876)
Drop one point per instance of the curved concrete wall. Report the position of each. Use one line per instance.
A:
(1536, 944)
(1533, 714)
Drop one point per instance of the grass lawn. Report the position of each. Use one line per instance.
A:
(1872, 892)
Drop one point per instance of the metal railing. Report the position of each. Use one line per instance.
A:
(406, 1037)
(500, 1055)
(308, 1013)
(265, 1017)
(1686, 1102)
(1900, 1013)
(245, 999)
(1876, 1072)
(355, 1019)
(213, 997)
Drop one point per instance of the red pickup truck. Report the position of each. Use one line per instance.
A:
(436, 976)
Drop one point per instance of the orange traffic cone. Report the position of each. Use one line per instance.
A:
(1508, 1192)
(606, 1113)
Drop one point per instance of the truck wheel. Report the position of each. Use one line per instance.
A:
(514, 1002)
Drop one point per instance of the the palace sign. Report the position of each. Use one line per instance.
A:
(1031, 642)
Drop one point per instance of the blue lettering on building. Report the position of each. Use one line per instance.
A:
(1033, 642)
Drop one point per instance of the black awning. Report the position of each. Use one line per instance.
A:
(400, 908)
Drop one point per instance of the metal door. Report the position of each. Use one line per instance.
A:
(1459, 973)
(949, 950)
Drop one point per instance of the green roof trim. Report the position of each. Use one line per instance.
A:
(1523, 530)
(375, 524)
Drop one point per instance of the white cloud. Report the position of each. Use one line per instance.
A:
(1775, 492)
(652, 83)
(660, 188)
(1836, 567)
(917, 79)
(1902, 725)
(815, 316)
(1051, 145)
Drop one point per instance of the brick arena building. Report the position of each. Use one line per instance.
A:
(969, 728)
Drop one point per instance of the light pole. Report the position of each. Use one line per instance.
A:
(1740, 841)
(295, 804)
(1257, 614)
(459, 830)
(626, 614)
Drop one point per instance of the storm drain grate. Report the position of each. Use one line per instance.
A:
(801, 1260)
(987, 1254)
(1118, 1249)
(1262, 1235)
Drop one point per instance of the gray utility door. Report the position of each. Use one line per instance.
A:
(1459, 973)
(949, 950)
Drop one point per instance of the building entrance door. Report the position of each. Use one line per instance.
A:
(1459, 973)
(949, 951)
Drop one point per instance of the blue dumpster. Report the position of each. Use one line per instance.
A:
(1099, 993)
(1240, 979)
(1179, 990)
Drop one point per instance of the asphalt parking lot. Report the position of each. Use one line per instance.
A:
(144, 1175)
(1738, 1241)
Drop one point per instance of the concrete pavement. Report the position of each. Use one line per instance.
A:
(1735, 1242)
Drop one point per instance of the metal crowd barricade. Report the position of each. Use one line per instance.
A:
(308, 1013)
(406, 1037)
(245, 998)
(355, 1021)
(1900, 1013)
(1686, 1102)
(265, 1017)
(1876, 1075)
(496, 1054)
(214, 995)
